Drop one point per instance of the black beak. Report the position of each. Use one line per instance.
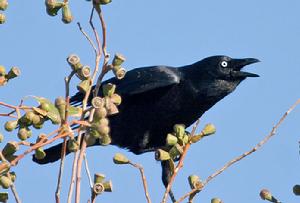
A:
(238, 64)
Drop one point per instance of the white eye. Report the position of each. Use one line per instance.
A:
(224, 64)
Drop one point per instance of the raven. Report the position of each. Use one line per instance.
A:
(155, 98)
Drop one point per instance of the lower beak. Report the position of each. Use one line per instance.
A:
(238, 64)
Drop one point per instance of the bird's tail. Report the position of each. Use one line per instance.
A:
(52, 154)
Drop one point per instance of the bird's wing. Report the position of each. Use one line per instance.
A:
(141, 80)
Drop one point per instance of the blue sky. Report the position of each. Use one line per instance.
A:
(172, 33)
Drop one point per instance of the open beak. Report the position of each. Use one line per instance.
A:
(238, 64)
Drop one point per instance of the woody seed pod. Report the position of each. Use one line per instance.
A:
(100, 113)
(105, 140)
(1, 137)
(39, 153)
(90, 139)
(2, 70)
(176, 151)
(171, 139)
(120, 159)
(5, 182)
(84, 86)
(12, 73)
(2, 18)
(73, 145)
(98, 188)
(24, 133)
(98, 178)
(179, 130)
(10, 148)
(10, 125)
(119, 72)
(66, 14)
(97, 102)
(118, 59)
(60, 104)
(296, 190)
(74, 62)
(108, 187)
(109, 89)
(216, 200)
(3, 5)
(116, 99)
(3, 196)
(161, 155)
(83, 73)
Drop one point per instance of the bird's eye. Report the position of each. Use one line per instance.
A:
(224, 64)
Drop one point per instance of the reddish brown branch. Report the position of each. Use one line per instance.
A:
(141, 169)
(180, 164)
(254, 149)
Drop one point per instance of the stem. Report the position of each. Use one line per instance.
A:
(180, 164)
(254, 149)
(74, 167)
(141, 169)
(78, 174)
(15, 193)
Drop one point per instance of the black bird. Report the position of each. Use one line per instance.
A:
(155, 98)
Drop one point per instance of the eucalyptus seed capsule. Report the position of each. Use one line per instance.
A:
(66, 14)
(39, 153)
(74, 62)
(116, 99)
(2, 18)
(120, 159)
(119, 72)
(83, 73)
(10, 148)
(3, 5)
(84, 86)
(105, 140)
(10, 125)
(2, 70)
(161, 155)
(179, 130)
(13, 72)
(108, 187)
(98, 188)
(5, 182)
(99, 177)
(118, 60)
(109, 89)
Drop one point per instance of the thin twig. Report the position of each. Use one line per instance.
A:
(15, 193)
(88, 170)
(141, 169)
(61, 169)
(180, 164)
(254, 149)
(78, 174)
(73, 177)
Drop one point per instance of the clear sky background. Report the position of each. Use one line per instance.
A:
(171, 33)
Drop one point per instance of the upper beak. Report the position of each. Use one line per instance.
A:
(238, 64)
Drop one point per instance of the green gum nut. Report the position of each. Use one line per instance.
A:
(118, 60)
(116, 99)
(99, 178)
(98, 188)
(3, 196)
(1, 137)
(5, 182)
(111, 108)
(84, 86)
(97, 102)
(2, 18)
(266, 195)
(73, 145)
(100, 113)
(3, 5)
(109, 89)
(24, 133)
(5, 166)
(2, 70)
(90, 140)
(55, 118)
(161, 155)
(74, 62)
(120, 159)
(171, 139)
(60, 104)
(94, 133)
(175, 151)
(83, 73)
(103, 129)
(10, 125)
(194, 181)
(13, 176)
(216, 200)
(10, 148)
(13, 72)
(209, 129)
(179, 130)
(103, 2)
(66, 14)
(296, 190)
(39, 153)
(105, 140)
(119, 72)
(108, 187)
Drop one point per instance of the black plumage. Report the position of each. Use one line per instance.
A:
(155, 98)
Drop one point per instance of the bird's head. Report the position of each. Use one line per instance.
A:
(229, 69)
